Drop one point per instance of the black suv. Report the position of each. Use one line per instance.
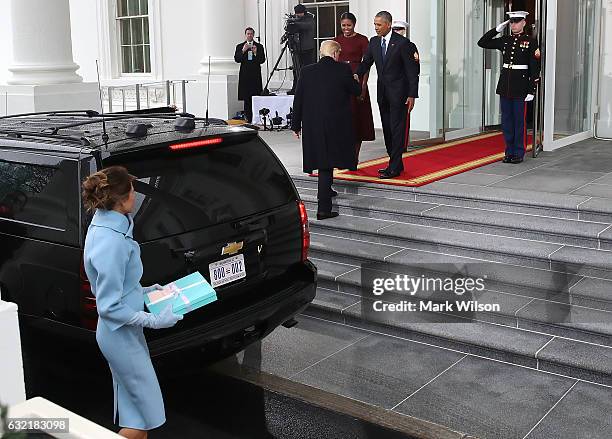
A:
(206, 192)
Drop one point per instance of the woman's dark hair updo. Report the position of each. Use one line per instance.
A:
(106, 188)
(349, 16)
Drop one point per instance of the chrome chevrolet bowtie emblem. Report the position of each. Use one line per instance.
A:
(232, 248)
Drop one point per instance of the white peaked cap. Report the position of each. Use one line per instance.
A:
(399, 25)
(518, 14)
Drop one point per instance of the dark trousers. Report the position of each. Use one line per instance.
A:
(514, 114)
(248, 108)
(324, 190)
(395, 128)
(307, 57)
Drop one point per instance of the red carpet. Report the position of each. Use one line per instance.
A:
(436, 162)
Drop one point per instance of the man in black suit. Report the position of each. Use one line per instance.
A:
(398, 67)
(322, 116)
(250, 55)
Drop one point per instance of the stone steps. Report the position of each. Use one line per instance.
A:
(488, 198)
(531, 309)
(561, 231)
(546, 260)
(413, 244)
(551, 353)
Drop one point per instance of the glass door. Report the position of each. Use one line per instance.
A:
(495, 13)
(575, 42)
(464, 68)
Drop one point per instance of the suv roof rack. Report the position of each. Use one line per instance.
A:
(92, 117)
(18, 134)
(88, 113)
(111, 117)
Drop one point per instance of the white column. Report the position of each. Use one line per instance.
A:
(42, 46)
(223, 28)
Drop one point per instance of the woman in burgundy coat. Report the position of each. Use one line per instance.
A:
(354, 46)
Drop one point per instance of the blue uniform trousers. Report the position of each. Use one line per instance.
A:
(514, 115)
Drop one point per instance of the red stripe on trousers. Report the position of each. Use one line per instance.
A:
(525, 130)
(407, 133)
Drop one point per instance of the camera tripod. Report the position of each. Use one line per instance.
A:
(292, 45)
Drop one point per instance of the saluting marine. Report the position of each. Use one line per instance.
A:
(518, 80)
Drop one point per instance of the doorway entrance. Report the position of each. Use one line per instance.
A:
(461, 78)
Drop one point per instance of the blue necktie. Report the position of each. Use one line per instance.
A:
(384, 49)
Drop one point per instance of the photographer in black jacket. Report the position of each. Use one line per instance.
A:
(250, 55)
(307, 47)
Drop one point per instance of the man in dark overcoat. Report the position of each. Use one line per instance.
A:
(322, 116)
(398, 66)
(250, 55)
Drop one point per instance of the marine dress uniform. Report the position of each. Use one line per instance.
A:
(113, 266)
(517, 84)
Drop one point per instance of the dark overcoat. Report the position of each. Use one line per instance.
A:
(249, 82)
(322, 111)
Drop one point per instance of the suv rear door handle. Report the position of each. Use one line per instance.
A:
(252, 223)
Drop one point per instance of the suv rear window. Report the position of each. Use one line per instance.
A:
(179, 192)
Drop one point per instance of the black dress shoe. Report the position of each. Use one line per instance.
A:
(387, 175)
(326, 215)
(507, 159)
(516, 160)
(383, 171)
(334, 193)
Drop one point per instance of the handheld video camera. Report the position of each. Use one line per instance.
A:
(292, 30)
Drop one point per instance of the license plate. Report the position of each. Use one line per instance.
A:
(226, 271)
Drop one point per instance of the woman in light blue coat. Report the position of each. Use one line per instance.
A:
(113, 266)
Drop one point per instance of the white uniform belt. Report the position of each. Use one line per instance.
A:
(516, 67)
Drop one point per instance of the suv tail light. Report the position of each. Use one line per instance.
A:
(305, 231)
(195, 144)
(89, 311)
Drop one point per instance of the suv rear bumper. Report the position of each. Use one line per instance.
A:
(234, 331)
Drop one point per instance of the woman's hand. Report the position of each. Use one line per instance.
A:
(147, 290)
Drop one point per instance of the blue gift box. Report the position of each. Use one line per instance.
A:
(186, 294)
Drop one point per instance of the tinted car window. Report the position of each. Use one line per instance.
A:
(179, 192)
(33, 194)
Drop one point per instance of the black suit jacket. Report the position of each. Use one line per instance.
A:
(398, 76)
(322, 111)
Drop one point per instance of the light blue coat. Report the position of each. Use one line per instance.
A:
(113, 266)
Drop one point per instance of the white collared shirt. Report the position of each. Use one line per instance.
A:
(387, 39)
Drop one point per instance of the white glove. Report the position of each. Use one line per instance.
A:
(501, 26)
(147, 290)
(165, 319)
(529, 98)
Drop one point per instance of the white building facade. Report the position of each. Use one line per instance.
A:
(48, 60)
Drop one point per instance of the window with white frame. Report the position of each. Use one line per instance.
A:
(327, 17)
(135, 46)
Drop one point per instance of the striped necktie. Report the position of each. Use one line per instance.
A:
(384, 49)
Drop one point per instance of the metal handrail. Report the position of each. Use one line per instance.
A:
(168, 85)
